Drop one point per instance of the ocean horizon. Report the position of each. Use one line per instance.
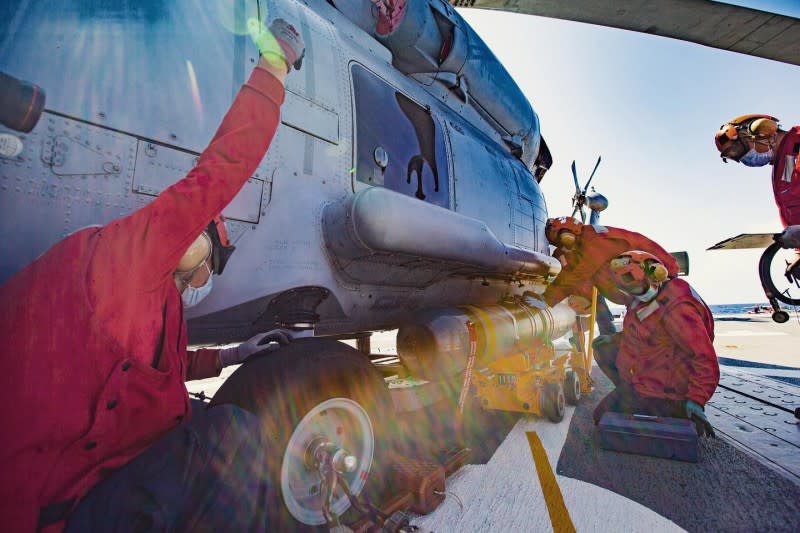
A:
(723, 309)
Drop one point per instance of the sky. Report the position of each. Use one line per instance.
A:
(650, 106)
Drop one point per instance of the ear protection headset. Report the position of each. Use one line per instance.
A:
(563, 232)
(731, 137)
(636, 266)
(223, 249)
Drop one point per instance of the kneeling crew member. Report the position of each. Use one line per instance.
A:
(663, 363)
(95, 355)
(584, 251)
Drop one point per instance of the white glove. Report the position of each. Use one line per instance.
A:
(263, 342)
(790, 238)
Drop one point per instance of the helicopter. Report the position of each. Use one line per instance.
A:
(401, 191)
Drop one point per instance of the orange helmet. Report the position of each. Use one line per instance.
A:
(563, 231)
(635, 266)
(731, 137)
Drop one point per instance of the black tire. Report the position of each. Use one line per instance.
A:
(764, 273)
(553, 402)
(282, 387)
(781, 317)
(572, 387)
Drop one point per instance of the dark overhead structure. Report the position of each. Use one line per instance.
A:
(724, 26)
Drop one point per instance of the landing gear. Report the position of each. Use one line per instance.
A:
(553, 401)
(321, 403)
(769, 269)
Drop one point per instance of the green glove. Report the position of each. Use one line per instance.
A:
(696, 413)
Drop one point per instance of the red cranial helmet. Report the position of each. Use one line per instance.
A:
(732, 136)
(632, 268)
(563, 231)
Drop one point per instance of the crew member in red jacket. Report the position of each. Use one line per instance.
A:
(756, 141)
(95, 354)
(584, 251)
(663, 361)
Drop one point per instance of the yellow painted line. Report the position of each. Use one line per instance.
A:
(559, 516)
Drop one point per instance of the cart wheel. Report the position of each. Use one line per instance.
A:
(572, 387)
(553, 402)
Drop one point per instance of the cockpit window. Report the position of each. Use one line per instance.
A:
(399, 144)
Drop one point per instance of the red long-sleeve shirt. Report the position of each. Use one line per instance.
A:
(587, 264)
(93, 334)
(786, 178)
(667, 346)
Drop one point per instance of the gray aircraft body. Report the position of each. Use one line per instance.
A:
(401, 190)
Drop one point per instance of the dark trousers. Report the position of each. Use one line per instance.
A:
(205, 475)
(624, 399)
(604, 317)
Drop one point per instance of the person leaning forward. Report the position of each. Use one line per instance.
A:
(584, 251)
(663, 362)
(756, 141)
(95, 353)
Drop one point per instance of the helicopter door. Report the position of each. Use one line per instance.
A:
(399, 143)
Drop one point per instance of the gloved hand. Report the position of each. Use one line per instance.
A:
(263, 342)
(280, 42)
(790, 238)
(602, 340)
(390, 15)
(579, 304)
(696, 413)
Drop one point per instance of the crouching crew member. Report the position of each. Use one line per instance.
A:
(584, 251)
(663, 362)
(95, 355)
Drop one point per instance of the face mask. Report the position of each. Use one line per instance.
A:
(648, 295)
(755, 159)
(192, 296)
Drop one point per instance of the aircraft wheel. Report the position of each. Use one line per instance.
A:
(781, 317)
(553, 402)
(769, 272)
(315, 394)
(572, 387)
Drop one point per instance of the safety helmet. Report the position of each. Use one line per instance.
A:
(563, 231)
(197, 253)
(213, 243)
(732, 136)
(635, 266)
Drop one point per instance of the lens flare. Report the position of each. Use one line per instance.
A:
(198, 104)
(235, 15)
(266, 43)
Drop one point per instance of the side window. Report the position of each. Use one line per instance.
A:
(399, 144)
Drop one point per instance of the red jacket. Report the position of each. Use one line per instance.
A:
(93, 332)
(586, 265)
(786, 178)
(666, 346)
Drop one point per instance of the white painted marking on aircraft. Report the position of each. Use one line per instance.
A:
(504, 494)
